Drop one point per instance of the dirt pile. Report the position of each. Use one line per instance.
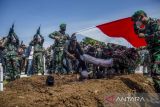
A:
(69, 92)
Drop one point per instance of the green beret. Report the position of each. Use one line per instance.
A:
(73, 37)
(136, 15)
(62, 25)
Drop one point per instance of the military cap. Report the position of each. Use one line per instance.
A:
(73, 37)
(138, 13)
(62, 25)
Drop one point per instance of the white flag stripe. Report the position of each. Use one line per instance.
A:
(97, 34)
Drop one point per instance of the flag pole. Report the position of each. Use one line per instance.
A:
(85, 29)
(99, 24)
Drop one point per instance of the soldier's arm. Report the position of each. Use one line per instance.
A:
(4, 41)
(156, 27)
(66, 50)
(17, 39)
(53, 35)
(42, 39)
(67, 37)
(16, 36)
(31, 43)
(80, 49)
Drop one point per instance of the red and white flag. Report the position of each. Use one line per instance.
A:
(119, 32)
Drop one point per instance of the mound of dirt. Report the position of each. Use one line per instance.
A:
(69, 92)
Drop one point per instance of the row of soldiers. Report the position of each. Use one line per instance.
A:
(67, 50)
(64, 56)
(17, 58)
(14, 54)
(125, 59)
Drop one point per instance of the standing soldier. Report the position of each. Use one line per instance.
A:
(38, 62)
(92, 52)
(146, 63)
(60, 38)
(2, 48)
(99, 70)
(29, 55)
(48, 59)
(21, 57)
(12, 45)
(2, 42)
(149, 29)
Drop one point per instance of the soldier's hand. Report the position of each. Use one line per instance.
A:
(56, 37)
(72, 57)
(141, 35)
(73, 34)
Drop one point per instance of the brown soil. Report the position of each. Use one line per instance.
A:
(69, 92)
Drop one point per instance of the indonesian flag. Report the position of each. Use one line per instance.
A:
(118, 32)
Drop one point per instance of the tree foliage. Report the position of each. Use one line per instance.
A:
(87, 40)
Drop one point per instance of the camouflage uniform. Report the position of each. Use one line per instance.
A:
(99, 70)
(48, 55)
(11, 55)
(2, 48)
(60, 39)
(21, 57)
(38, 62)
(74, 52)
(92, 52)
(152, 35)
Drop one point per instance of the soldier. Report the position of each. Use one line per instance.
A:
(92, 52)
(149, 29)
(48, 59)
(60, 38)
(146, 63)
(2, 43)
(12, 45)
(2, 64)
(74, 52)
(29, 57)
(99, 70)
(38, 62)
(145, 60)
(21, 57)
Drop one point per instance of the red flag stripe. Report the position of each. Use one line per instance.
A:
(123, 28)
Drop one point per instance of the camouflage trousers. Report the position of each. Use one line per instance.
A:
(157, 84)
(38, 63)
(155, 66)
(58, 60)
(12, 67)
